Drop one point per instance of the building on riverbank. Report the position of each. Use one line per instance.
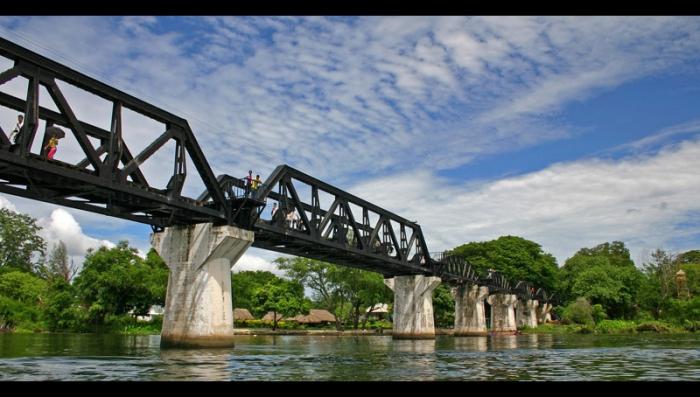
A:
(315, 316)
(242, 314)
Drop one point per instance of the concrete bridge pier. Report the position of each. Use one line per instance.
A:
(470, 318)
(531, 313)
(503, 313)
(198, 310)
(543, 314)
(526, 313)
(413, 306)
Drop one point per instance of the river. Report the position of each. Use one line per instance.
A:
(536, 357)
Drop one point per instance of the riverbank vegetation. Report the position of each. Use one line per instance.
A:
(597, 290)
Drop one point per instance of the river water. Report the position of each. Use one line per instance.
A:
(367, 358)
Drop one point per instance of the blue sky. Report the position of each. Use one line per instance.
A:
(569, 131)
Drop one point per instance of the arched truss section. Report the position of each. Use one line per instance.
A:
(524, 290)
(496, 282)
(453, 269)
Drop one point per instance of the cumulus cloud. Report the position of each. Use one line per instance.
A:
(254, 261)
(62, 226)
(647, 201)
(5, 203)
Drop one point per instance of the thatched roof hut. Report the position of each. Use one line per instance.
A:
(269, 317)
(242, 314)
(315, 316)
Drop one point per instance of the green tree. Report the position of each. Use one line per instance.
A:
(59, 265)
(689, 262)
(659, 282)
(443, 307)
(156, 279)
(342, 290)
(62, 312)
(243, 287)
(22, 296)
(20, 245)
(516, 258)
(578, 312)
(359, 288)
(371, 291)
(689, 257)
(115, 281)
(281, 297)
(319, 278)
(604, 275)
(23, 287)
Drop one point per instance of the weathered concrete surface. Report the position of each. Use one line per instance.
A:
(198, 311)
(531, 313)
(543, 314)
(413, 306)
(503, 313)
(470, 318)
(526, 313)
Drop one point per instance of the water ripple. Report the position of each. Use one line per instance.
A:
(372, 358)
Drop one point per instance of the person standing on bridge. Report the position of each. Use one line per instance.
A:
(55, 134)
(18, 128)
(256, 184)
(52, 147)
(248, 182)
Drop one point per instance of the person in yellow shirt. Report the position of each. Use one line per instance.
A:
(51, 146)
(256, 183)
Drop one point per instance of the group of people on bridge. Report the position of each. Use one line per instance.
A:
(252, 184)
(52, 132)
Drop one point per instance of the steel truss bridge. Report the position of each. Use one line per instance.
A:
(314, 220)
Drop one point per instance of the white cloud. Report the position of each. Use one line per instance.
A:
(61, 226)
(370, 96)
(5, 203)
(252, 262)
(349, 92)
(640, 200)
(57, 224)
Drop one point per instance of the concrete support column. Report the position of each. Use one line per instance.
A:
(503, 313)
(526, 313)
(198, 310)
(413, 306)
(530, 313)
(543, 314)
(470, 319)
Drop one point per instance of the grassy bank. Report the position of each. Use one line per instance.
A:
(615, 327)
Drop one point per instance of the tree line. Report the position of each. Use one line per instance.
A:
(44, 291)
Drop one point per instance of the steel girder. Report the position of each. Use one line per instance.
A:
(108, 180)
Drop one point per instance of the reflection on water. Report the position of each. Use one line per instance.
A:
(274, 358)
(504, 342)
(473, 343)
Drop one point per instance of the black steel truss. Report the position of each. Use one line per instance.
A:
(391, 245)
(109, 181)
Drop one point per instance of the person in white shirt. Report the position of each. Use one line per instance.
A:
(18, 128)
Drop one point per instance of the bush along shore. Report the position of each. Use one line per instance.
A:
(615, 327)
